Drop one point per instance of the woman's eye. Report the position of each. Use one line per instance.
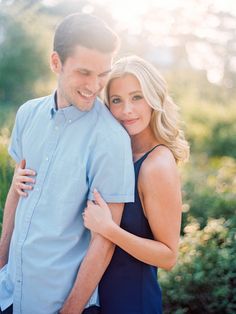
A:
(115, 100)
(137, 97)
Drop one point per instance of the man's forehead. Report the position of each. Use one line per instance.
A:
(92, 70)
(85, 52)
(91, 60)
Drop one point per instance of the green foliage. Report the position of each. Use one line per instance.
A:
(23, 55)
(209, 188)
(7, 116)
(225, 133)
(204, 281)
(212, 130)
(208, 112)
(6, 169)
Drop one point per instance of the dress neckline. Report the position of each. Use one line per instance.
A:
(148, 152)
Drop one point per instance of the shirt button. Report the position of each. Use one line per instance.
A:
(69, 121)
(56, 128)
(47, 158)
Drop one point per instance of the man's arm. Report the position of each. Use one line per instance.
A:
(8, 222)
(92, 268)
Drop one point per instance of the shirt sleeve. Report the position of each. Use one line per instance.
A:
(111, 171)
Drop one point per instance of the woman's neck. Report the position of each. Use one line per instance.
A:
(142, 143)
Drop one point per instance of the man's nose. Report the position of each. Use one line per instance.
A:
(93, 84)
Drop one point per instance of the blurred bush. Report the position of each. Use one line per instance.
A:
(24, 54)
(204, 280)
(208, 112)
(209, 188)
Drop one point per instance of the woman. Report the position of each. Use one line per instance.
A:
(149, 233)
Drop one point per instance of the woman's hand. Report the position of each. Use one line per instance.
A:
(97, 216)
(21, 179)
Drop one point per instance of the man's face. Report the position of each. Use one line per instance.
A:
(82, 77)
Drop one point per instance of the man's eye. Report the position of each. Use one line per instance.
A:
(84, 73)
(103, 74)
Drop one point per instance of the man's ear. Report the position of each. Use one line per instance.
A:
(55, 62)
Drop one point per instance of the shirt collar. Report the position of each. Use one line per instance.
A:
(71, 112)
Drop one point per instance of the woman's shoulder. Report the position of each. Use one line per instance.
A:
(160, 157)
(159, 164)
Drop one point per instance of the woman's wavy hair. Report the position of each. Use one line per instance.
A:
(164, 122)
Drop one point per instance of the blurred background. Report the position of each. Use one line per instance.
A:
(193, 44)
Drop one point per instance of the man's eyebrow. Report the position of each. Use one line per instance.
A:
(104, 73)
(90, 71)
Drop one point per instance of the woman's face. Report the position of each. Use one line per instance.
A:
(127, 104)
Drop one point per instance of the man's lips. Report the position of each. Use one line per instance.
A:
(87, 96)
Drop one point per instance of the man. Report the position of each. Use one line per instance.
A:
(74, 144)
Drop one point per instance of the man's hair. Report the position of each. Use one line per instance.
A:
(84, 30)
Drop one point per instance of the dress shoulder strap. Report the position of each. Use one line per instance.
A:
(153, 149)
(147, 153)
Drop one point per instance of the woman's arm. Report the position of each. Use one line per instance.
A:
(8, 221)
(159, 190)
(22, 180)
(18, 183)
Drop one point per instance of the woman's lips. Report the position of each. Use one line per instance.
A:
(129, 121)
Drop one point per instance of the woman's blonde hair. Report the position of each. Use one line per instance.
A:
(164, 120)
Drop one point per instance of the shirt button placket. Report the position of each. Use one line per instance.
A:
(18, 283)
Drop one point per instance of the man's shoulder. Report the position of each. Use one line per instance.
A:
(35, 102)
(107, 123)
(31, 107)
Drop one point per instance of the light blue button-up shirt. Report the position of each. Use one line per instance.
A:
(72, 152)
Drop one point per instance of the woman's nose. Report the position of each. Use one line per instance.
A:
(127, 108)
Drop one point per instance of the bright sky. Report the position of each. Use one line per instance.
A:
(129, 12)
(192, 17)
(134, 8)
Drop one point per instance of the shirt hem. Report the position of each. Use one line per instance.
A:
(114, 198)
(13, 155)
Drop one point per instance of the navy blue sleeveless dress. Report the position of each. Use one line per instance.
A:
(130, 286)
